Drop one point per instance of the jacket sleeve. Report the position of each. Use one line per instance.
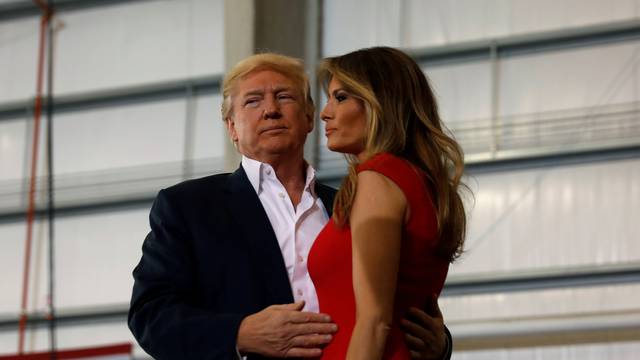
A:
(165, 316)
(449, 348)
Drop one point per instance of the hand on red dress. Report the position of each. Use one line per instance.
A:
(425, 333)
(285, 331)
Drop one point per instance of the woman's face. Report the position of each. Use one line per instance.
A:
(345, 120)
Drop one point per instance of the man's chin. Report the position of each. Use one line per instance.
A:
(278, 149)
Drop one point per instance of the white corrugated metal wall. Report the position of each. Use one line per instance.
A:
(104, 152)
(533, 221)
(542, 220)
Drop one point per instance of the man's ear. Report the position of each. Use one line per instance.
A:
(310, 123)
(231, 129)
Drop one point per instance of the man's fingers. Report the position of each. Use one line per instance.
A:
(301, 317)
(303, 353)
(314, 328)
(296, 306)
(414, 342)
(415, 355)
(286, 331)
(311, 341)
(415, 329)
(420, 317)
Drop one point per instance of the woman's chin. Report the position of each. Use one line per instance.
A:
(347, 148)
(336, 148)
(341, 149)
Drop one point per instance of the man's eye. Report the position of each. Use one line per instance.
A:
(285, 97)
(251, 102)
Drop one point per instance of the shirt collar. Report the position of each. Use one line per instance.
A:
(255, 170)
(310, 181)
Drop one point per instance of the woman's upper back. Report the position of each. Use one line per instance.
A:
(420, 268)
(420, 273)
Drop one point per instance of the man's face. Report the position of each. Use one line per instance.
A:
(268, 116)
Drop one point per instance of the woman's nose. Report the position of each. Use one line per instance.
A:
(324, 114)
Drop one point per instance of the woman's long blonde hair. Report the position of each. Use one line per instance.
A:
(402, 119)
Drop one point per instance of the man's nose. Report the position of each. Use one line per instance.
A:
(271, 109)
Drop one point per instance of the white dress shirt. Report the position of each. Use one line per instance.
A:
(296, 228)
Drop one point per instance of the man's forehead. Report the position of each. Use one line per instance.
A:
(264, 79)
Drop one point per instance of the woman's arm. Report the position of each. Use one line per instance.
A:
(376, 220)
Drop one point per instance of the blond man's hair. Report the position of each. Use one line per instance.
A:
(290, 67)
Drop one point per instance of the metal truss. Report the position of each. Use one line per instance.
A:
(159, 91)
(26, 8)
(526, 44)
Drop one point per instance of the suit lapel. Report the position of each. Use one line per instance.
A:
(253, 222)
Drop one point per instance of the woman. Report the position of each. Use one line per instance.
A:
(398, 218)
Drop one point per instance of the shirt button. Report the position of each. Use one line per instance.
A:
(281, 195)
(299, 292)
(300, 259)
(268, 171)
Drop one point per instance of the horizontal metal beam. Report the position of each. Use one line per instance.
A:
(138, 202)
(546, 330)
(27, 8)
(70, 317)
(103, 190)
(543, 280)
(527, 43)
(566, 158)
(333, 178)
(460, 286)
(335, 175)
(121, 96)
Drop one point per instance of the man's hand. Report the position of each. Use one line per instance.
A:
(285, 331)
(424, 332)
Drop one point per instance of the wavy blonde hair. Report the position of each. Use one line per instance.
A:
(288, 66)
(402, 119)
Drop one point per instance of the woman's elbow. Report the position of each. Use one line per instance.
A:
(379, 323)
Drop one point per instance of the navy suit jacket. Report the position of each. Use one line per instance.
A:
(211, 259)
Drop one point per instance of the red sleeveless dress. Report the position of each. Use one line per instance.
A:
(421, 273)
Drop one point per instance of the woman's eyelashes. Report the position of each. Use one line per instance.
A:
(340, 96)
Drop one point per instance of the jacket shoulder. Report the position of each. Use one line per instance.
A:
(196, 188)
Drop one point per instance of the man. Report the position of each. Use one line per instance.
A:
(223, 271)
